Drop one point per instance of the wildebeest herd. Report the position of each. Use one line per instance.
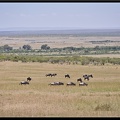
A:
(81, 83)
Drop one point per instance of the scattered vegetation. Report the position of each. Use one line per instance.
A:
(82, 60)
(45, 49)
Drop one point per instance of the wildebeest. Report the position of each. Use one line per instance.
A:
(60, 83)
(79, 79)
(70, 83)
(56, 83)
(54, 74)
(24, 82)
(87, 76)
(67, 75)
(83, 84)
(48, 74)
(29, 79)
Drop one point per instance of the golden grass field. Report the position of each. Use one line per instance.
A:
(101, 98)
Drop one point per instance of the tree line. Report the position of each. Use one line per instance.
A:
(67, 50)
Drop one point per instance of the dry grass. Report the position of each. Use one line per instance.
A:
(100, 98)
(104, 55)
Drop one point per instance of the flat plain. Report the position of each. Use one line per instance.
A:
(58, 41)
(101, 98)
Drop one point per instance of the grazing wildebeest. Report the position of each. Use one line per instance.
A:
(60, 83)
(81, 82)
(48, 75)
(29, 79)
(67, 76)
(79, 79)
(24, 82)
(87, 76)
(56, 83)
(54, 74)
(70, 83)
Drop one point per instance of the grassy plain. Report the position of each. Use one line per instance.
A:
(101, 98)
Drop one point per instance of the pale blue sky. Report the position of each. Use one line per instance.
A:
(77, 15)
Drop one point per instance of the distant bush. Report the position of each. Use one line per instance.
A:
(45, 47)
(55, 59)
(27, 47)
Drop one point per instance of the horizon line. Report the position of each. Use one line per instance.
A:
(51, 28)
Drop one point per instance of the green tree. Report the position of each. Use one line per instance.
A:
(27, 47)
(45, 47)
(7, 48)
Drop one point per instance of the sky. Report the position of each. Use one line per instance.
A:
(88, 15)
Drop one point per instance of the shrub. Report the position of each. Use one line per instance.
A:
(103, 107)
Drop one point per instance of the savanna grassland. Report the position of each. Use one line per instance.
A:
(101, 98)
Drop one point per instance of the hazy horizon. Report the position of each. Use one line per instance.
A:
(51, 28)
(78, 32)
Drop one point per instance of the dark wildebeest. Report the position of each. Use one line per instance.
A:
(81, 82)
(24, 82)
(70, 83)
(48, 75)
(67, 76)
(56, 83)
(87, 76)
(54, 74)
(79, 79)
(29, 79)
